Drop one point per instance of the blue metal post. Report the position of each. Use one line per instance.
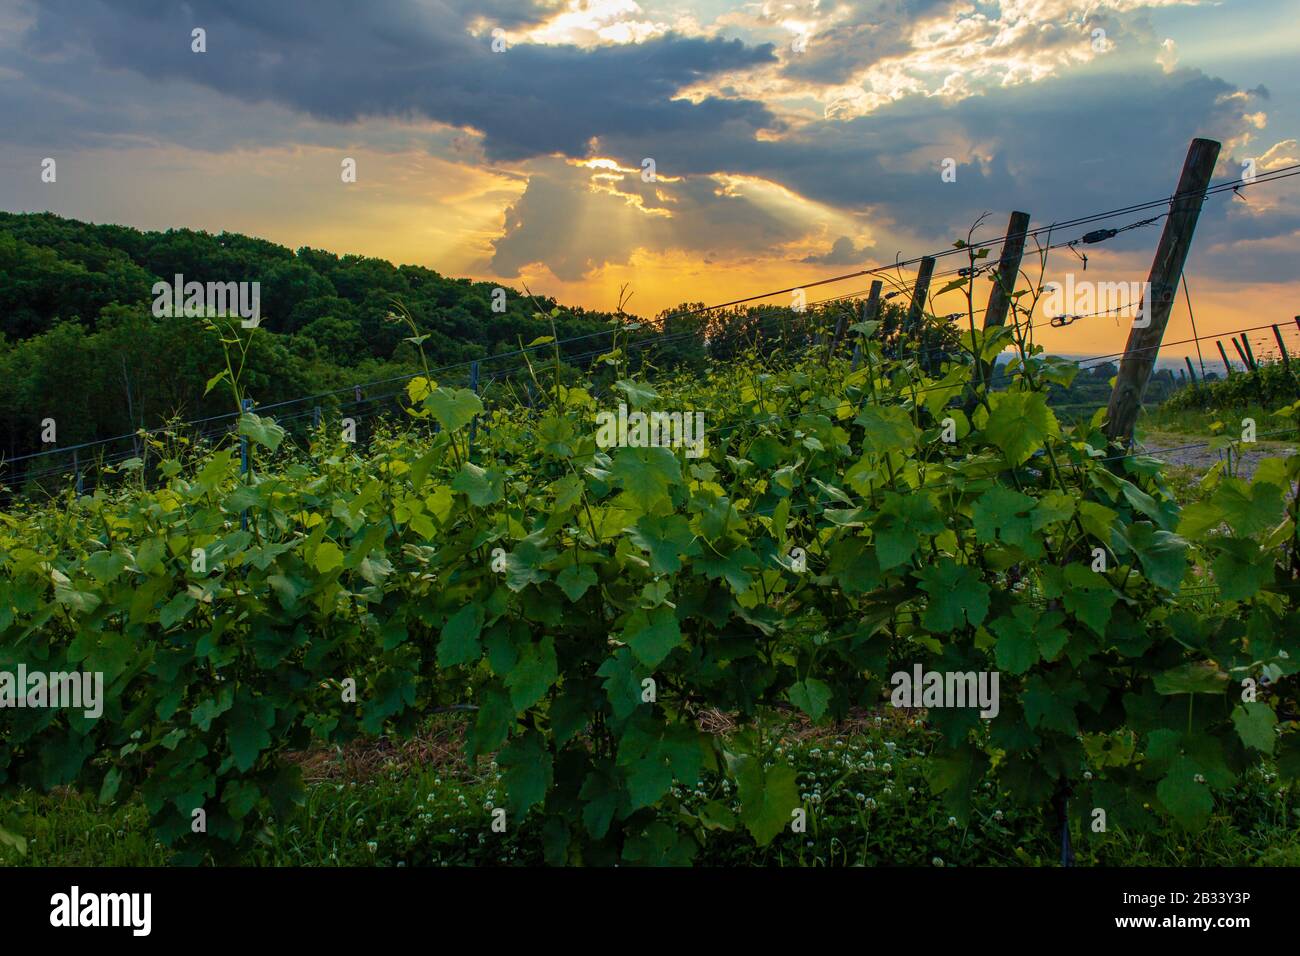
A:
(473, 425)
(247, 406)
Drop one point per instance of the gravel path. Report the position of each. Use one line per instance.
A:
(1201, 458)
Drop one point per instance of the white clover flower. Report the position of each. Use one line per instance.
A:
(870, 803)
(997, 814)
(952, 821)
(937, 861)
(372, 846)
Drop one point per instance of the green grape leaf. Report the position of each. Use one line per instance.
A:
(811, 696)
(575, 580)
(652, 634)
(666, 538)
(1019, 423)
(1188, 801)
(646, 474)
(453, 408)
(1256, 725)
(459, 640)
(957, 596)
(534, 673)
(768, 797)
(528, 769)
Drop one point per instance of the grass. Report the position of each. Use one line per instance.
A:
(1194, 424)
(863, 787)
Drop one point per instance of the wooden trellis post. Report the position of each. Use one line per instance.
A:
(1226, 364)
(1166, 269)
(1013, 250)
(919, 292)
(1281, 347)
(1250, 353)
(870, 309)
(1242, 354)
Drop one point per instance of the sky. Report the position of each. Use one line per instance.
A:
(512, 140)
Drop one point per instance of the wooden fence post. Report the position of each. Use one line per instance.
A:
(1013, 250)
(1191, 375)
(1166, 269)
(919, 291)
(1226, 364)
(1250, 353)
(1004, 282)
(1286, 357)
(870, 309)
(1254, 367)
(1244, 361)
(1281, 346)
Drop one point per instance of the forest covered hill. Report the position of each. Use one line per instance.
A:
(79, 341)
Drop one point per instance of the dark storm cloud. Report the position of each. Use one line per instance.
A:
(90, 72)
(343, 61)
(1060, 148)
(841, 253)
